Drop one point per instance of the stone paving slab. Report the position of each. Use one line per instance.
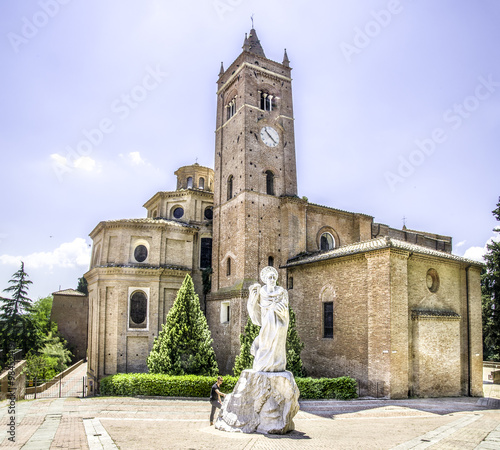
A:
(138, 423)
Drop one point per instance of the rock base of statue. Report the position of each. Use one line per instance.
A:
(262, 402)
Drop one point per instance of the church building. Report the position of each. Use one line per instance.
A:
(394, 309)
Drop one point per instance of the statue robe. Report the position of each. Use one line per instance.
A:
(270, 312)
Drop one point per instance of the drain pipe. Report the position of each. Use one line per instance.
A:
(468, 328)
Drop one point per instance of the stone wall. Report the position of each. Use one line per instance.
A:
(70, 312)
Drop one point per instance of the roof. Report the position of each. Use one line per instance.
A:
(338, 210)
(149, 220)
(371, 245)
(73, 292)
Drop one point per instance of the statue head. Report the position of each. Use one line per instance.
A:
(269, 275)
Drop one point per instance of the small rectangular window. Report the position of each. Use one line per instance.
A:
(224, 312)
(206, 253)
(328, 320)
(290, 282)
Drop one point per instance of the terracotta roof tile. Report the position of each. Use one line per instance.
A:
(370, 245)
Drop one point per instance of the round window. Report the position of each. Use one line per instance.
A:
(432, 280)
(138, 307)
(140, 253)
(178, 212)
(209, 213)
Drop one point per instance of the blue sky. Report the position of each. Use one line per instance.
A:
(397, 108)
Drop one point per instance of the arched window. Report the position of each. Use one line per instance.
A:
(190, 183)
(328, 320)
(201, 183)
(269, 182)
(266, 101)
(231, 108)
(327, 242)
(230, 187)
(138, 310)
(270, 261)
(228, 267)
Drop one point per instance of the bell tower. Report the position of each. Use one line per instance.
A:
(255, 167)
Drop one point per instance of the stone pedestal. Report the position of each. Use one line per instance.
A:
(262, 402)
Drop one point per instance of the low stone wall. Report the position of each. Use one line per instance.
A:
(43, 387)
(17, 378)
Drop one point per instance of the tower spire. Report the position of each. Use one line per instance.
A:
(246, 44)
(221, 69)
(254, 44)
(286, 61)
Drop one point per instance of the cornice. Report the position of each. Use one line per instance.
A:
(265, 72)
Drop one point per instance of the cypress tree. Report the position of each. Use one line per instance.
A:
(490, 287)
(184, 346)
(293, 348)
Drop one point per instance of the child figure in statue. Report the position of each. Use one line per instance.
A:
(268, 307)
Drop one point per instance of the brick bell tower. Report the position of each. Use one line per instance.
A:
(255, 168)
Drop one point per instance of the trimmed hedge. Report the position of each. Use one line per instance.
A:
(131, 384)
(342, 388)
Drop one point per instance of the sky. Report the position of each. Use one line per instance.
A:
(396, 105)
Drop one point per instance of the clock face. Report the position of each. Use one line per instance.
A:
(270, 136)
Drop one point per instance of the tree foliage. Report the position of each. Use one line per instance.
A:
(184, 346)
(83, 286)
(13, 312)
(490, 287)
(294, 347)
(245, 359)
(52, 358)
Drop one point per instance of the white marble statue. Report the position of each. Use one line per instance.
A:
(266, 397)
(268, 308)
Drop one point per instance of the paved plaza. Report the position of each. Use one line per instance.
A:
(151, 423)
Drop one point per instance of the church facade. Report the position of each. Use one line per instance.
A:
(394, 309)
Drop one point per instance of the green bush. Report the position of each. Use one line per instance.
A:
(131, 384)
(342, 388)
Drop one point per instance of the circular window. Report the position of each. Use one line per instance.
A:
(209, 213)
(140, 253)
(432, 280)
(138, 307)
(178, 212)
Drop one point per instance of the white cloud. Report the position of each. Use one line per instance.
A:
(477, 253)
(460, 244)
(67, 255)
(58, 159)
(85, 163)
(136, 159)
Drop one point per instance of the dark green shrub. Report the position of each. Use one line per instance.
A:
(149, 384)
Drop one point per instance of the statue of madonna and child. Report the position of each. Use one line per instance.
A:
(265, 398)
